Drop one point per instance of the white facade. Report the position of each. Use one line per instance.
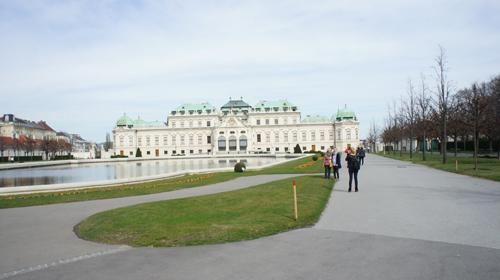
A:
(237, 128)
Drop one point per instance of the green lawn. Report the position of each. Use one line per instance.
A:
(238, 215)
(298, 166)
(488, 168)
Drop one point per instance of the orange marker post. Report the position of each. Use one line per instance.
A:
(295, 199)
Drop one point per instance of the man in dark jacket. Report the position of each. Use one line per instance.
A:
(336, 163)
(353, 167)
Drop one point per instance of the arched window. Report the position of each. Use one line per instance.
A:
(221, 142)
(232, 143)
(243, 143)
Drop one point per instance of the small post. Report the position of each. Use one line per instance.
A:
(295, 199)
(456, 165)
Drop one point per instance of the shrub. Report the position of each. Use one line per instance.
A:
(322, 154)
(119, 156)
(239, 167)
(297, 149)
(138, 153)
(315, 157)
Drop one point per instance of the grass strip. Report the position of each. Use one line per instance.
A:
(232, 216)
(488, 168)
(298, 166)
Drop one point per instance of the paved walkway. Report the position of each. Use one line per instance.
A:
(407, 222)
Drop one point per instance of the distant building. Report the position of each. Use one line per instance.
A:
(11, 126)
(237, 128)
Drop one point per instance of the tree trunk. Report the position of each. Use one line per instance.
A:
(411, 144)
(424, 148)
(491, 146)
(475, 146)
(465, 142)
(456, 144)
(444, 141)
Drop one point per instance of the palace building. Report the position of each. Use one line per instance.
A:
(236, 128)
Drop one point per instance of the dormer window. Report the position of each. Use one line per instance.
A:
(276, 109)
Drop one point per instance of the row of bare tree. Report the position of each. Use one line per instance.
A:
(441, 113)
(27, 146)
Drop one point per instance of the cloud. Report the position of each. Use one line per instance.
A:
(146, 57)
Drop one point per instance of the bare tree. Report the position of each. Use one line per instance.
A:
(373, 136)
(424, 104)
(410, 114)
(442, 97)
(476, 106)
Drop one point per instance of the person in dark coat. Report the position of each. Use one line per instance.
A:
(361, 155)
(353, 167)
(336, 163)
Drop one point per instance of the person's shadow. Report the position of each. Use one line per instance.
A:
(339, 190)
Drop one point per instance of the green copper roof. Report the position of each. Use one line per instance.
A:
(124, 121)
(195, 107)
(238, 104)
(316, 119)
(274, 104)
(345, 114)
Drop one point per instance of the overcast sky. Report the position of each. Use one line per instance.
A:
(80, 65)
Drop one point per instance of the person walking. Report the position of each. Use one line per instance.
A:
(353, 167)
(327, 163)
(336, 162)
(361, 155)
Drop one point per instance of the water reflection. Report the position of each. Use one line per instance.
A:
(115, 170)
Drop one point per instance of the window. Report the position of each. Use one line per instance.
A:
(200, 139)
(200, 151)
(267, 121)
(322, 148)
(243, 143)
(277, 137)
(313, 135)
(190, 123)
(131, 153)
(285, 120)
(209, 139)
(268, 137)
(286, 149)
(348, 134)
(148, 152)
(277, 149)
(139, 141)
(174, 152)
(258, 122)
(157, 140)
(174, 140)
(304, 136)
(268, 149)
(321, 135)
(222, 143)
(182, 124)
(173, 124)
(357, 133)
(183, 152)
(121, 140)
(232, 143)
(148, 141)
(182, 140)
(130, 141)
(208, 123)
(191, 139)
(339, 134)
(285, 137)
(276, 121)
(191, 151)
(199, 123)
(330, 132)
(165, 152)
(304, 149)
(165, 140)
(258, 138)
(295, 136)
